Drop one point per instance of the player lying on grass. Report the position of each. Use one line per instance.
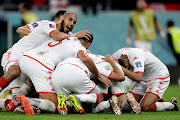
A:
(151, 76)
(38, 33)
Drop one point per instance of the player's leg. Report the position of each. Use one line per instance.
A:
(149, 103)
(41, 79)
(12, 73)
(155, 91)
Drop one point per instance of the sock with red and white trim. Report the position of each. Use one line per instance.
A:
(101, 106)
(43, 104)
(3, 83)
(4, 102)
(125, 107)
(88, 98)
(161, 106)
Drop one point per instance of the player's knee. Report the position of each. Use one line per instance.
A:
(14, 72)
(145, 107)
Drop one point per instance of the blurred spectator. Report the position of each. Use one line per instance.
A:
(93, 5)
(174, 39)
(145, 23)
(89, 4)
(27, 16)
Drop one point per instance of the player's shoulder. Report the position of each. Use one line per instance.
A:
(47, 22)
(150, 11)
(132, 13)
(72, 39)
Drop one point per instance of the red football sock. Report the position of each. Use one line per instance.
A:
(3, 82)
(97, 100)
(154, 107)
(7, 102)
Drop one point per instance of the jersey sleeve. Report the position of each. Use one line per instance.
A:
(48, 27)
(138, 64)
(34, 25)
(116, 55)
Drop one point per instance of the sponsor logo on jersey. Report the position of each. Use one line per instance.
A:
(138, 64)
(34, 25)
(51, 26)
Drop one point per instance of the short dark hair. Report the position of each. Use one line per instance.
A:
(90, 39)
(60, 12)
(121, 62)
(27, 5)
(170, 23)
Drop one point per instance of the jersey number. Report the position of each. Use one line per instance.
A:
(50, 45)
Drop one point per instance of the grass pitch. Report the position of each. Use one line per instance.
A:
(165, 115)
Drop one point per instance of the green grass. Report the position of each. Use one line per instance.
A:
(165, 115)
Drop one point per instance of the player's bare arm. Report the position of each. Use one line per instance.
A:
(160, 30)
(23, 30)
(134, 76)
(91, 66)
(56, 35)
(117, 73)
(128, 41)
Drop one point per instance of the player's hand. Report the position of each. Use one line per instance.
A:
(128, 42)
(83, 33)
(108, 57)
(105, 80)
(163, 35)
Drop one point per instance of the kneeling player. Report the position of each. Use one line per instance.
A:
(151, 76)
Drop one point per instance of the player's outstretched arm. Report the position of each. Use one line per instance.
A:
(56, 35)
(23, 30)
(117, 74)
(91, 66)
(134, 76)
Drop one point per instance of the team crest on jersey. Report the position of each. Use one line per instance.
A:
(51, 26)
(107, 67)
(34, 25)
(138, 64)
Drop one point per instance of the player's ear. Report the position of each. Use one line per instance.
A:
(61, 18)
(88, 44)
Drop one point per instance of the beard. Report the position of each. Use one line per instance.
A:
(62, 26)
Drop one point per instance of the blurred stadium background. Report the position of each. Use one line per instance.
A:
(108, 21)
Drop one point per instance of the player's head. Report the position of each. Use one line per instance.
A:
(25, 6)
(122, 62)
(59, 14)
(125, 60)
(69, 22)
(85, 42)
(170, 23)
(141, 4)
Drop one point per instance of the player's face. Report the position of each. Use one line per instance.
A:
(126, 61)
(141, 4)
(69, 22)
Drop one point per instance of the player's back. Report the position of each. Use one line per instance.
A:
(153, 67)
(75, 62)
(38, 36)
(103, 66)
(52, 52)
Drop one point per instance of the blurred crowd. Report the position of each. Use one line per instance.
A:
(86, 5)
